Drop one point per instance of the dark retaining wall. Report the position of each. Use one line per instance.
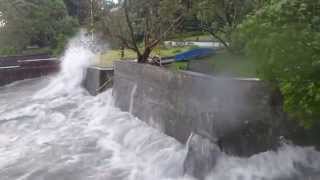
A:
(12, 70)
(243, 116)
(98, 79)
(13, 60)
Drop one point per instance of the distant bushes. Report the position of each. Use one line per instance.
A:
(35, 23)
(69, 27)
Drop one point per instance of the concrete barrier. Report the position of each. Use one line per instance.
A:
(98, 79)
(17, 73)
(13, 60)
(242, 116)
(13, 69)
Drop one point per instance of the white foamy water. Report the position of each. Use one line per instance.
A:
(51, 129)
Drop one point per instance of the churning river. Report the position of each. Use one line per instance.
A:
(52, 129)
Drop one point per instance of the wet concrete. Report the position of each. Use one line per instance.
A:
(15, 68)
(98, 79)
(240, 115)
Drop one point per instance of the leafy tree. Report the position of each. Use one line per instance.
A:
(284, 40)
(142, 21)
(34, 22)
(220, 18)
(81, 9)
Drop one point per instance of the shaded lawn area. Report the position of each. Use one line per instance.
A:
(178, 66)
(106, 59)
(223, 64)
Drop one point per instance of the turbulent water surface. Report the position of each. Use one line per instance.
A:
(51, 129)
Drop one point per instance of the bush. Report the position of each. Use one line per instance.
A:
(68, 28)
(283, 39)
(35, 23)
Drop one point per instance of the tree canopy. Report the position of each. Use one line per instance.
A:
(146, 22)
(34, 22)
(220, 18)
(284, 40)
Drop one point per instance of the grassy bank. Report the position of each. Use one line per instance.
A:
(106, 59)
(235, 65)
(223, 64)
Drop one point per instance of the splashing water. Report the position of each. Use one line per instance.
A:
(288, 163)
(74, 63)
(62, 133)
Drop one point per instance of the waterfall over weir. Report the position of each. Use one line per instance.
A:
(52, 129)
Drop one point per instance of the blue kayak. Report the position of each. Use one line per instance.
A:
(194, 54)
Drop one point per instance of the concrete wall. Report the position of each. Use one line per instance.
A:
(98, 79)
(27, 69)
(241, 115)
(13, 60)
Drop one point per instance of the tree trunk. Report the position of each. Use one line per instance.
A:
(143, 58)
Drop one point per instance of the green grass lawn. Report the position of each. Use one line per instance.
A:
(223, 64)
(236, 65)
(178, 66)
(107, 59)
(228, 64)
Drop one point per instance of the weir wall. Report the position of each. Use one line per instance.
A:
(18, 68)
(242, 116)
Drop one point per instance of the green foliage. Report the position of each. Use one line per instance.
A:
(68, 28)
(7, 51)
(284, 40)
(178, 66)
(106, 60)
(220, 18)
(234, 65)
(79, 9)
(34, 22)
(136, 22)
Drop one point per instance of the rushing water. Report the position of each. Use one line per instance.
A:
(51, 129)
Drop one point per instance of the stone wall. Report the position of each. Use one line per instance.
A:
(241, 115)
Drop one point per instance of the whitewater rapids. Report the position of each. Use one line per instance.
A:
(52, 129)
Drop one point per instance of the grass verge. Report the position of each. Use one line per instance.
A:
(107, 59)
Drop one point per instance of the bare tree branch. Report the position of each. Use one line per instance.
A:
(129, 23)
